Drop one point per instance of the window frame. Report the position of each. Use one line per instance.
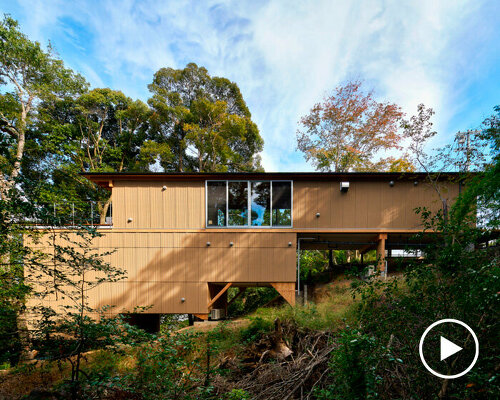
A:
(227, 204)
(249, 204)
(206, 205)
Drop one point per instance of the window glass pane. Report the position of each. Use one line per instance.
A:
(216, 203)
(238, 203)
(282, 203)
(261, 203)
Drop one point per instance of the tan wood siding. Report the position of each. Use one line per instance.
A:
(180, 206)
(164, 248)
(366, 205)
(163, 267)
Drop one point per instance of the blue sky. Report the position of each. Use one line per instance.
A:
(286, 55)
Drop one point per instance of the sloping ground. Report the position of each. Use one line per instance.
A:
(306, 331)
(207, 326)
(275, 350)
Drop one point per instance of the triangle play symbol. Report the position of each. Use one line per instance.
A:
(448, 348)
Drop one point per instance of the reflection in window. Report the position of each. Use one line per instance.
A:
(261, 203)
(216, 203)
(282, 204)
(237, 204)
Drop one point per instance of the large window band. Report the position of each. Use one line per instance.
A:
(249, 204)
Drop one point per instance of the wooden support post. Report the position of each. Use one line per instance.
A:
(381, 252)
(224, 289)
(330, 259)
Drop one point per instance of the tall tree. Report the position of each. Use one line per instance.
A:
(101, 131)
(348, 129)
(202, 122)
(28, 75)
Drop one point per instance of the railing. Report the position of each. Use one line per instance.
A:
(90, 213)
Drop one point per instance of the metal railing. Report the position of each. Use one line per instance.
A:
(90, 213)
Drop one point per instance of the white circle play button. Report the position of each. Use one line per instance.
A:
(454, 337)
(448, 348)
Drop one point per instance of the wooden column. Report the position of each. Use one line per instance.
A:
(381, 252)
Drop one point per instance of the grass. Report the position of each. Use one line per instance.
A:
(44, 375)
(334, 303)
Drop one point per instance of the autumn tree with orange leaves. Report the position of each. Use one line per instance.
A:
(347, 130)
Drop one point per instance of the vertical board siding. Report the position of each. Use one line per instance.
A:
(366, 205)
(163, 267)
(180, 206)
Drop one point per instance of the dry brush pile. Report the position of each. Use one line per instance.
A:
(287, 363)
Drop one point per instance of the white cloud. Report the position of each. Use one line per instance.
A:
(284, 55)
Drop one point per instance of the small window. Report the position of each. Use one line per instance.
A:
(237, 203)
(216, 203)
(261, 203)
(282, 204)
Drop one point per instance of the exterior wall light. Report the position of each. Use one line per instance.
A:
(318, 215)
(164, 188)
(289, 244)
(129, 220)
(415, 183)
(208, 244)
(391, 183)
(344, 187)
(183, 299)
(231, 244)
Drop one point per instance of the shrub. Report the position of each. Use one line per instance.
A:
(353, 365)
(167, 368)
(255, 330)
(238, 394)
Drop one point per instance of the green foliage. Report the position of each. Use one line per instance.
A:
(73, 267)
(255, 330)
(100, 131)
(167, 368)
(250, 300)
(329, 313)
(36, 70)
(460, 279)
(312, 262)
(14, 209)
(28, 75)
(353, 365)
(457, 281)
(10, 345)
(203, 120)
(238, 394)
(172, 322)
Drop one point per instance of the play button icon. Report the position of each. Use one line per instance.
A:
(449, 348)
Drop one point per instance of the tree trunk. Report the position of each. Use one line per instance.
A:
(103, 211)
(24, 335)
